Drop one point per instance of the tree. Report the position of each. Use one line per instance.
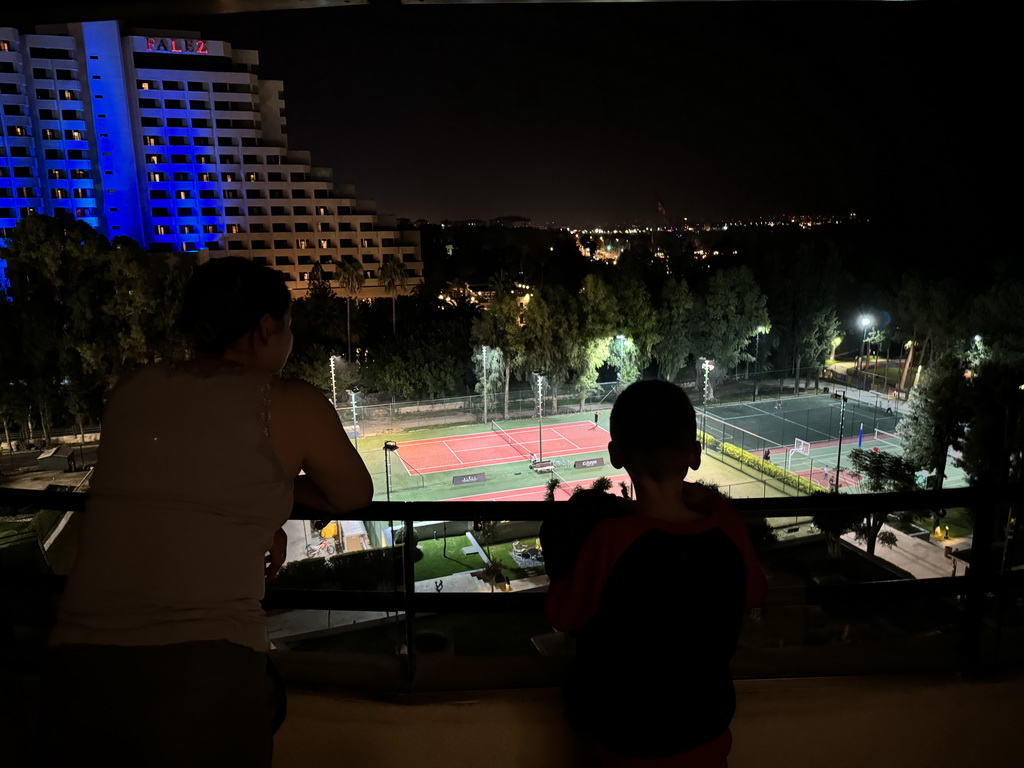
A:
(726, 316)
(882, 472)
(674, 328)
(935, 417)
(500, 328)
(392, 279)
(488, 364)
(350, 277)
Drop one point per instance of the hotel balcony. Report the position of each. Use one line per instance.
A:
(878, 668)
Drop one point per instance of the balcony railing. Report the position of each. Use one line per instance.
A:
(883, 621)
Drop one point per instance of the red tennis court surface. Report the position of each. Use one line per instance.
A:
(482, 449)
(536, 493)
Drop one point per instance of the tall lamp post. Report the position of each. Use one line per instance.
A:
(540, 415)
(757, 358)
(390, 446)
(707, 366)
(486, 350)
(865, 322)
(355, 426)
(622, 355)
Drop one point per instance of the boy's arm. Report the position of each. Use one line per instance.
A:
(573, 600)
(757, 584)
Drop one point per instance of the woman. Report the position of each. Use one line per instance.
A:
(160, 646)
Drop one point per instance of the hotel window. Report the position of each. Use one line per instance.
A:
(187, 229)
(234, 229)
(151, 122)
(303, 276)
(44, 93)
(228, 160)
(302, 244)
(74, 135)
(179, 158)
(278, 194)
(209, 212)
(203, 141)
(232, 211)
(197, 104)
(324, 243)
(177, 122)
(155, 159)
(84, 192)
(68, 95)
(78, 154)
(79, 173)
(174, 104)
(204, 159)
(152, 141)
(149, 103)
(186, 212)
(173, 85)
(21, 171)
(324, 226)
(47, 114)
(209, 229)
(259, 245)
(256, 211)
(254, 193)
(282, 261)
(147, 85)
(200, 122)
(252, 160)
(17, 130)
(366, 242)
(157, 176)
(225, 141)
(59, 194)
(66, 74)
(252, 176)
(12, 109)
(183, 177)
(53, 173)
(193, 86)
(178, 141)
(163, 212)
(183, 194)
(162, 229)
(237, 245)
(159, 194)
(41, 74)
(232, 194)
(207, 194)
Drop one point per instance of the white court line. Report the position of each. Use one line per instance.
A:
(563, 437)
(452, 452)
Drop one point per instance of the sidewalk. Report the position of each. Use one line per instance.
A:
(922, 559)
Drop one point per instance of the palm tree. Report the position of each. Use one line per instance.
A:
(350, 277)
(392, 279)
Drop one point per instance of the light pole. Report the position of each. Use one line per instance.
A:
(622, 355)
(390, 446)
(486, 350)
(355, 426)
(757, 358)
(334, 386)
(540, 415)
(707, 366)
(865, 322)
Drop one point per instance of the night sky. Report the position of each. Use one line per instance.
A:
(588, 114)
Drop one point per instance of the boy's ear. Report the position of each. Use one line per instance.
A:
(615, 455)
(266, 328)
(695, 456)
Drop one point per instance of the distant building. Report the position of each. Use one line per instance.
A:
(175, 141)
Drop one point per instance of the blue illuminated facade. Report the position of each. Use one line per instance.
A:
(175, 141)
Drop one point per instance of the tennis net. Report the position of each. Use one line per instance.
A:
(888, 439)
(526, 454)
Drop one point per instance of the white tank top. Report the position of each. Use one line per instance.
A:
(185, 500)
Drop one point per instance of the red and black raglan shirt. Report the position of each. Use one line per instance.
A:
(656, 609)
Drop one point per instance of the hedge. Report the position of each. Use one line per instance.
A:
(800, 484)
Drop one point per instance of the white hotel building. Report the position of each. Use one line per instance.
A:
(175, 141)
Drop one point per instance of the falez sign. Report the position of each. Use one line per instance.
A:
(175, 45)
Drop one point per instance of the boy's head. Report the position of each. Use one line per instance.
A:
(654, 431)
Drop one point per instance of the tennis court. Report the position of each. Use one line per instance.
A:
(536, 493)
(500, 446)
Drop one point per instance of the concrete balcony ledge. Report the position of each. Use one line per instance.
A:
(852, 722)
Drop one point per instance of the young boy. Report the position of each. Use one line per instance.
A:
(654, 596)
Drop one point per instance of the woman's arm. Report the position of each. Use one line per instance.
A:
(309, 436)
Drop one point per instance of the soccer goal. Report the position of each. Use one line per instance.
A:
(799, 446)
